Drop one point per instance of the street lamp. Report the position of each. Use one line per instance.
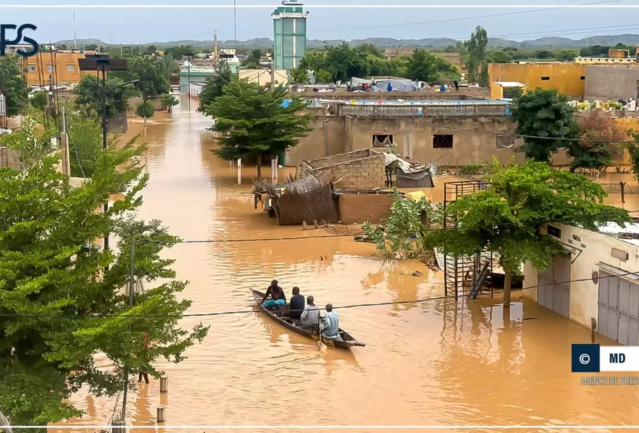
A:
(101, 62)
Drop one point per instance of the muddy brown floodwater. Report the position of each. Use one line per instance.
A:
(429, 363)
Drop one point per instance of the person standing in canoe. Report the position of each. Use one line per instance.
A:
(276, 293)
(331, 323)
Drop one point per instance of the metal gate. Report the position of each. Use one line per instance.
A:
(554, 286)
(618, 309)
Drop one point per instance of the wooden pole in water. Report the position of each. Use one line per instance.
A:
(161, 415)
(239, 171)
(274, 169)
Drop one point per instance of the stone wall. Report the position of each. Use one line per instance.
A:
(359, 208)
(359, 172)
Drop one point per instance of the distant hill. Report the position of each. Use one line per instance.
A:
(435, 43)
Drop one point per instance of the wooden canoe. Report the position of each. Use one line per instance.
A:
(346, 341)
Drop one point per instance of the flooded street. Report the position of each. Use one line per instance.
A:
(428, 363)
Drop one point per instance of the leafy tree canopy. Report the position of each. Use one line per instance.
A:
(145, 109)
(149, 71)
(214, 88)
(39, 100)
(89, 93)
(506, 218)
(594, 150)
(12, 86)
(299, 76)
(181, 51)
(256, 121)
(476, 61)
(543, 117)
(425, 66)
(60, 308)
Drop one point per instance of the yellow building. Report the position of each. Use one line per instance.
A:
(567, 78)
(59, 67)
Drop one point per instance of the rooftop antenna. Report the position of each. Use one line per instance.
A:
(75, 42)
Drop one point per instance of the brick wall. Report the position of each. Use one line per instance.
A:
(359, 174)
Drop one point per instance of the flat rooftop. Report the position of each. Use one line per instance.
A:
(614, 230)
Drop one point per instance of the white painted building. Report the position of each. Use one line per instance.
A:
(598, 278)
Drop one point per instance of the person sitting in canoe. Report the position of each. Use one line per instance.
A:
(277, 295)
(296, 305)
(310, 315)
(331, 323)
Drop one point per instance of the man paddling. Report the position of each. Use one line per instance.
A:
(277, 295)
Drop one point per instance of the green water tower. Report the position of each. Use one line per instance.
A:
(289, 30)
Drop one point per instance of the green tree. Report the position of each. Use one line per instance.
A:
(370, 49)
(499, 57)
(598, 133)
(214, 88)
(171, 67)
(544, 118)
(149, 71)
(85, 144)
(476, 58)
(299, 76)
(89, 93)
(12, 86)
(633, 151)
(425, 66)
(169, 101)
(255, 121)
(345, 62)
(313, 61)
(60, 306)
(145, 109)
(253, 59)
(39, 100)
(323, 76)
(181, 51)
(507, 217)
(405, 230)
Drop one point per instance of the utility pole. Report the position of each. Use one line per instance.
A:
(273, 75)
(104, 139)
(235, 21)
(188, 81)
(131, 293)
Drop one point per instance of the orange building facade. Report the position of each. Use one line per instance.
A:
(57, 67)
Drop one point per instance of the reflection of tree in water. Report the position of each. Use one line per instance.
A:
(400, 282)
(142, 414)
(481, 352)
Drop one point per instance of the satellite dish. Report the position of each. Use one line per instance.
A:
(433, 169)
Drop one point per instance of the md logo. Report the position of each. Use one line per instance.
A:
(7, 33)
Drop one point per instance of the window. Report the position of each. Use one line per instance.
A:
(505, 141)
(442, 141)
(545, 78)
(382, 140)
(70, 68)
(31, 68)
(49, 68)
(582, 78)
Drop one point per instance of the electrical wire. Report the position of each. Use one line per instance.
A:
(236, 312)
(457, 19)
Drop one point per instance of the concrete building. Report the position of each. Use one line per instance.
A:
(200, 71)
(60, 67)
(567, 78)
(594, 280)
(612, 82)
(289, 35)
(448, 134)
(263, 76)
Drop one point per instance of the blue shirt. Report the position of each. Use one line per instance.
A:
(331, 325)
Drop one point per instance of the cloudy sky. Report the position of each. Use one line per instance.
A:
(354, 19)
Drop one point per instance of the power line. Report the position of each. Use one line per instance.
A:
(229, 313)
(458, 19)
